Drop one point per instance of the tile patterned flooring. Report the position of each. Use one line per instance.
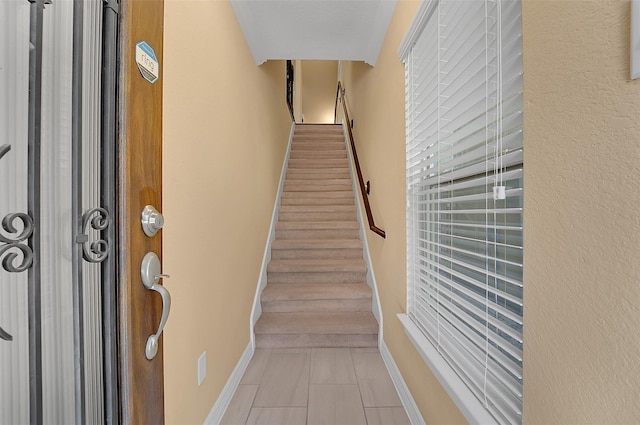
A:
(316, 386)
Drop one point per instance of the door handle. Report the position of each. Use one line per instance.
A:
(150, 273)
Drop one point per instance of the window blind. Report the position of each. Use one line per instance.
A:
(464, 142)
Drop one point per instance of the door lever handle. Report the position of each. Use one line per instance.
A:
(150, 273)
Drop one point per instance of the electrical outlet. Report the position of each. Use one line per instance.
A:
(202, 368)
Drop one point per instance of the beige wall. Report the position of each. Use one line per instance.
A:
(582, 232)
(226, 126)
(319, 81)
(376, 97)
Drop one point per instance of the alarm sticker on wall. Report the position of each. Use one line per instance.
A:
(147, 62)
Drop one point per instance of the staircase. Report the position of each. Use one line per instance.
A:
(316, 293)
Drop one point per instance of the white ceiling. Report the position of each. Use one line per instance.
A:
(314, 29)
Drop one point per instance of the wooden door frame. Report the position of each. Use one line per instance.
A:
(141, 384)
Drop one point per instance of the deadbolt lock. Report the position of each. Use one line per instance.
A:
(152, 221)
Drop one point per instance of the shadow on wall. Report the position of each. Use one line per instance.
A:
(315, 85)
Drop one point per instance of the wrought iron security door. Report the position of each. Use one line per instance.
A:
(57, 197)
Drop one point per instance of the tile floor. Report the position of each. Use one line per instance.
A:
(315, 386)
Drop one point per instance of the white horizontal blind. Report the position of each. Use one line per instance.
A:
(464, 137)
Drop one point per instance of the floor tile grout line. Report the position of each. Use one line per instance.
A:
(364, 412)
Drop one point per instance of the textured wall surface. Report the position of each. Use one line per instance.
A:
(582, 225)
(226, 127)
(319, 82)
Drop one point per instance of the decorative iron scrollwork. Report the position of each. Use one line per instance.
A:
(4, 149)
(96, 251)
(15, 243)
(4, 335)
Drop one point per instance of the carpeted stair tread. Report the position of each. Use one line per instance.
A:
(327, 291)
(315, 225)
(318, 163)
(316, 200)
(321, 174)
(282, 249)
(328, 181)
(317, 208)
(315, 146)
(317, 244)
(316, 266)
(307, 340)
(333, 194)
(318, 154)
(327, 185)
(317, 323)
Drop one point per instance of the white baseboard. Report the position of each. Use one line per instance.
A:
(218, 409)
(401, 387)
(371, 277)
(256, 311)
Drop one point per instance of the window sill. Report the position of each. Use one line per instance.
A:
(464, 399)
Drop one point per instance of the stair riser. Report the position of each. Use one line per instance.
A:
(299, 306)
(320, 128)
(326, 209)
(322, 216)
(319, 142)
(315, 187)
(315, 254)
(317, 234)
(302, 180)
(318, 201)
(309, 154)
(313, 277)
(340, 194)
(324, 145)
(297, 174)
(318, 163)
(316, 340)
(321, 132)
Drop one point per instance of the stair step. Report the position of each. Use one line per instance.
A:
(316, 329)
(311, 136)
(318, 174)
(337, 252)
(316, 266)
(332, 194)
(293, 292)
(316, 340)
(323, 128)
(316, 271)
(318, 163)
(317, 213)
(317, 146)
(342, 197)
(316, 201)
(319, 209)
(287, 298)
(318, 154)
(332, 185)
(317, 230)
(312, 216)
(316, 249)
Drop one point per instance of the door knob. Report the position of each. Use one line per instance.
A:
(152, 221)
(150, 273)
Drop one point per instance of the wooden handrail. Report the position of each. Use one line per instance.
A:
(365, 197)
